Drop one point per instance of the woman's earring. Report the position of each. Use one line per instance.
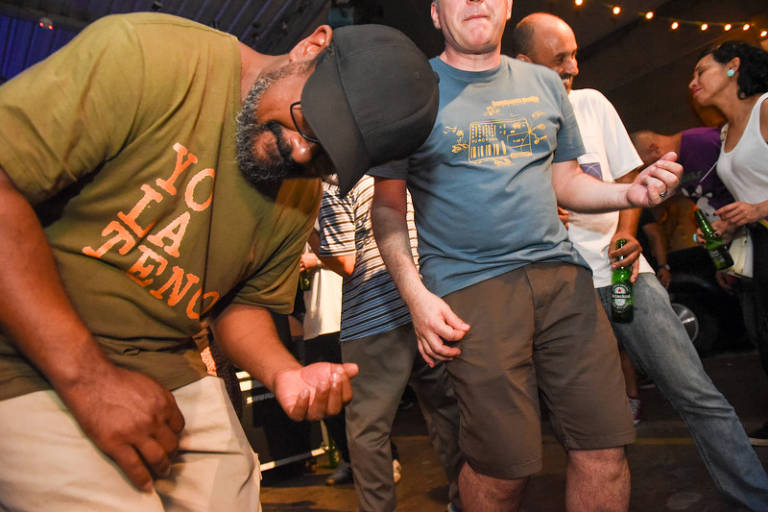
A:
(730, 72)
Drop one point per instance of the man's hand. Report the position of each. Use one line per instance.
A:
(656, 182)
(315, 391)
(130, 417)
(631, 252)
(562, 214)
(739, 213)
(434, 323)
(308, 261)
(665, 276)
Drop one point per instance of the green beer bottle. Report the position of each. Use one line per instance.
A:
(305, 280)
(714, 244)
(622, 301)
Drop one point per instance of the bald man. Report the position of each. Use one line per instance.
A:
(655, 339)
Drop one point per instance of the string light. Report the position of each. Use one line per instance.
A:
(675, 24)
(578, 2)
(45, 22)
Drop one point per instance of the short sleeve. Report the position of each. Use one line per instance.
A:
(65, 116)
(396, 169)
(337, 223)
(569, 142)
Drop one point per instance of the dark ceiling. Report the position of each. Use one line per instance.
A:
(641, 65)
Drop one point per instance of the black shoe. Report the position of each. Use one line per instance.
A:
(342, 475)
(759, 437)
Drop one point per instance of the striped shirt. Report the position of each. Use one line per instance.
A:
(370, 302)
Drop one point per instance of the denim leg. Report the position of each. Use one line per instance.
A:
(658, 344)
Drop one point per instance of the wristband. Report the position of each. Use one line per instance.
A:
(666, 267)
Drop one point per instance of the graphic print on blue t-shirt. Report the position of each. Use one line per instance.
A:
(593, 169)
(506, 135)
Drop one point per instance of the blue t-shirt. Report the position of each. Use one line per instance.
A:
(481, 183)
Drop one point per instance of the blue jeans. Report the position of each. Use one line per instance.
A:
(658, 344)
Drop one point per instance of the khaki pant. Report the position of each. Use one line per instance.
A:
(48, 464)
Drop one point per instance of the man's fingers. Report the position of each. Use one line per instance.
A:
(175, 418)
(346, 388)
(299, 410)
(335, 400)
(168, 440)
(134, 468)
(155, 456)
(351, 369)
(317, 405)
(452, 328)
(424, 354)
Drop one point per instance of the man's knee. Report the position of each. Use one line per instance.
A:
(491, 489)
(607, 459)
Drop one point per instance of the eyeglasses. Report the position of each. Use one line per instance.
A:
(297, 105)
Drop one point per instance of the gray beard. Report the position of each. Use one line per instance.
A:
(275, 169)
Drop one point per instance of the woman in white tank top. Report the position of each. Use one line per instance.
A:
(734, 78)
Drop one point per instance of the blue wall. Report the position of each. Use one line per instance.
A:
(23, 43)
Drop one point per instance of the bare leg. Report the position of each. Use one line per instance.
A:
(630, 375)
(597, 480)
(481, 493)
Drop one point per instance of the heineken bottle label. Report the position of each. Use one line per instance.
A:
(621, 297)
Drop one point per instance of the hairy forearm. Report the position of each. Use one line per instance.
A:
(40, 318)
(629, 218)
(391, 232)
(578, 191)
(343, 265)
(247, 337)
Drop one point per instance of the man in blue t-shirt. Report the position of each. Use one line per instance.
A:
(494, 256)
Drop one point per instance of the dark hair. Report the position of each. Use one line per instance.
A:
(753, 70)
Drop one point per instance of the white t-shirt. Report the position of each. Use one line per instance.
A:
(610, 155)
(744, 168)
(322, 302)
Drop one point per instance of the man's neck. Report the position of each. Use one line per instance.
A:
(253, 64)
(471, 61)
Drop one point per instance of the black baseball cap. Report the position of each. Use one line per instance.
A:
(372, 98)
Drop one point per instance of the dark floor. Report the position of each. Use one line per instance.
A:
(666, 471)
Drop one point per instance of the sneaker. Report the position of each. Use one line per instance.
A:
(759, 437)
(634, 406)
(397, 471)
(342, 474)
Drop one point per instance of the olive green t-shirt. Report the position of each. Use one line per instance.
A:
(133, 122)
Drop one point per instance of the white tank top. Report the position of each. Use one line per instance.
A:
(744, 169)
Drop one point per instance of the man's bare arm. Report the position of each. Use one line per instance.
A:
(129, 416)
(581, 192)
(247, 336)
(433, 319)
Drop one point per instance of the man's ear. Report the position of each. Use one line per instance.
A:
(433, 11)
(311, 46)
(523, 57)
